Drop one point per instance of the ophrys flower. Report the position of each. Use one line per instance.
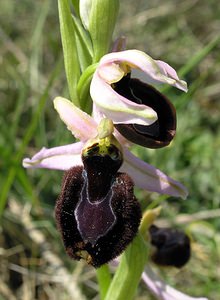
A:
(84, 127)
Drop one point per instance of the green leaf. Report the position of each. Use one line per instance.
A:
(83, 44)
(128, 274)
(68, 38)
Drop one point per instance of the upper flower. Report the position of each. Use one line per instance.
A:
(84, 127)
(126, 100)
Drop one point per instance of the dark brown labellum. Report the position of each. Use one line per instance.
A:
(172, 247)
(160, 133)
(97, 212)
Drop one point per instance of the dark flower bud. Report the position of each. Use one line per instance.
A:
(97, 212)
(172, 247)
(160, 133)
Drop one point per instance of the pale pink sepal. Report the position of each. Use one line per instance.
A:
(149, 178)
(82, 125)
(161, 290)
(58, 158)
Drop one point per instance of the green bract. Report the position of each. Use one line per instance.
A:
(99, 18)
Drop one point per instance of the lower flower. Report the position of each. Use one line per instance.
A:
(172, 247)
(84, 127)
(97, 212)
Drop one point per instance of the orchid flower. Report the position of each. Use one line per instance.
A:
(84, 127)
(116, 65)
(149, 118)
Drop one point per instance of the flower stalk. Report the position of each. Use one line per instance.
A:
(128, 274)
(104, 280)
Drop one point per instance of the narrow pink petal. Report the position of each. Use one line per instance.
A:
(118, 108)
(59, 158)
(161, 290)
(155, 71)
(148, 177)
(78, 122)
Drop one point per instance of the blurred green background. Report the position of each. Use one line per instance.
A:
(186, 34)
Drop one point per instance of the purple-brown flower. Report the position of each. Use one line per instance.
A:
(97, 212)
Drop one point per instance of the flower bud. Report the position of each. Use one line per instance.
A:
(99, 17)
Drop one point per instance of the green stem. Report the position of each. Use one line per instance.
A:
(128, 274)
(104, 280)
(84, 86)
